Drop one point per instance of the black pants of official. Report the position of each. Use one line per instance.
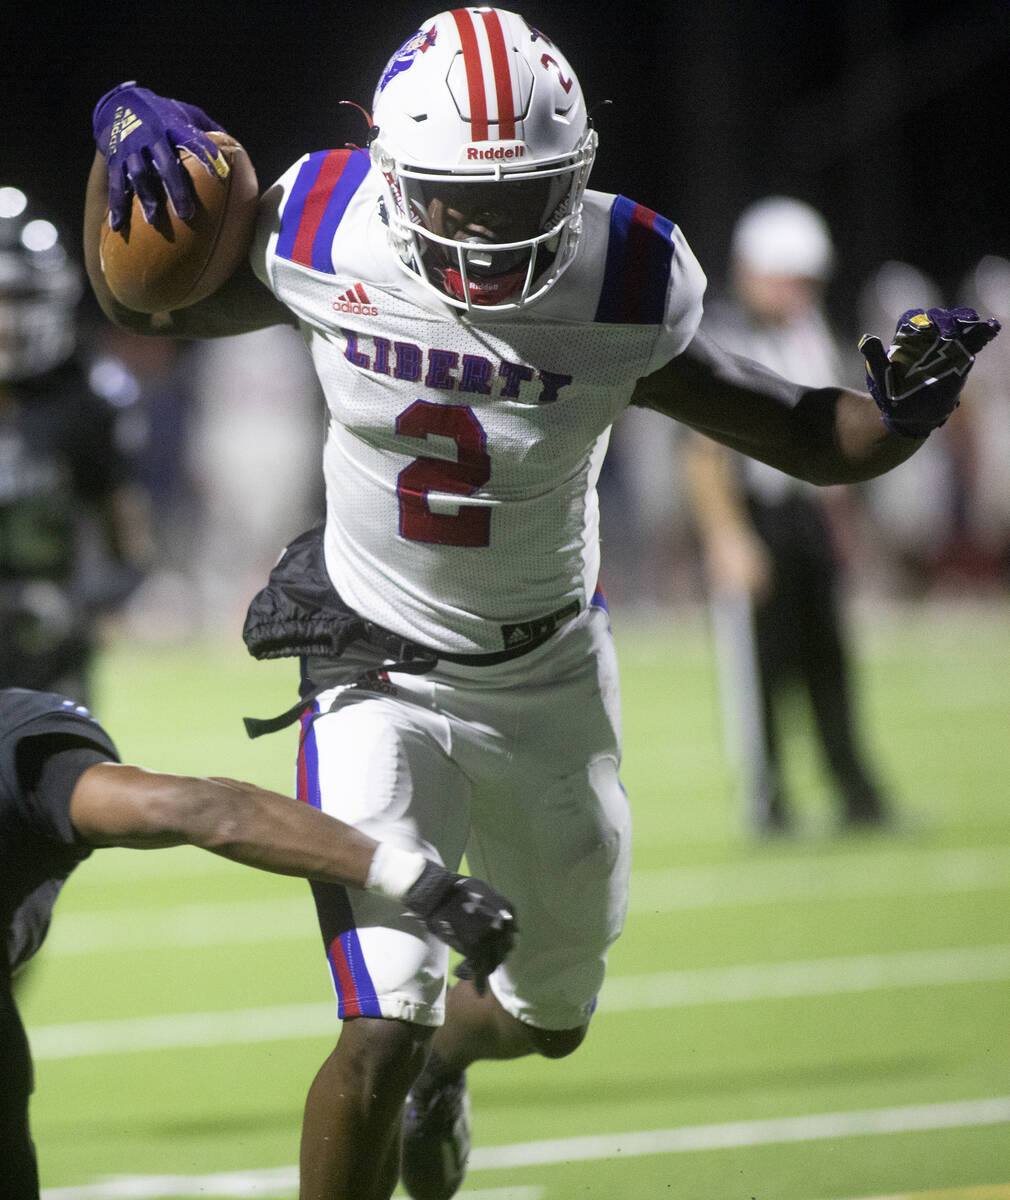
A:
(800, 641)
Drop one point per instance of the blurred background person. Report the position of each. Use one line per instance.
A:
(767, 541)
(984, 420)
(645, 524)
(252, 450)
(164, 607)
(74, 521)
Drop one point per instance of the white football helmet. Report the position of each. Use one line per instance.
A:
(39, 289)
(482, 138)
(782, 236)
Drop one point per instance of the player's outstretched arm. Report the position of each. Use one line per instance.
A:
(115, 804)
(825, 435)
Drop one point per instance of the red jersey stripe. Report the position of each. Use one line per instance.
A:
(315, 206)
(350, 1001)
(474, 74)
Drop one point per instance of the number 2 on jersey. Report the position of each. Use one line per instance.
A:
(471, 525)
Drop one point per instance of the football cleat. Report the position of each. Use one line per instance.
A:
(436, 1137)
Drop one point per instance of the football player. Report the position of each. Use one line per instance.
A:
(65, 470)
(477, 319)
(64, 792)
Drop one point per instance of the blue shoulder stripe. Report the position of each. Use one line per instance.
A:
(322, 190)
(637, 274)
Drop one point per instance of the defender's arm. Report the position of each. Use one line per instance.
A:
(115, 804)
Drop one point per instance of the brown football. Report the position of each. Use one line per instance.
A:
(173, 263)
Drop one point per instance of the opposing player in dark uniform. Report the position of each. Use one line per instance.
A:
(65, 466)
(63, 792)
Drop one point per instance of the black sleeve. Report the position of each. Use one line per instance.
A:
(49, 766)
(34, 726)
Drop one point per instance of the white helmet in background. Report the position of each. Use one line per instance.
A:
(782, 236)
(485, 146)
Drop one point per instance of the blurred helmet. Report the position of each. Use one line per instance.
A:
(987, 286)
(893, 288)
(785, 237)
(39, 287)
(482, 138)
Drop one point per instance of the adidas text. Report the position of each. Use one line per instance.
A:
(359, 310)
(355, 300)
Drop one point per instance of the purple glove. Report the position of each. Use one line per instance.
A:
(139, 134)
(916, 382)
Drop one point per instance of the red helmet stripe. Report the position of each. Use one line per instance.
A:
(474, 74)
(502, 75)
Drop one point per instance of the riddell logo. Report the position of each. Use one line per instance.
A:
(355, 300)
(504, 151)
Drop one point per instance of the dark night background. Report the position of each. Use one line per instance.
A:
(890, 117)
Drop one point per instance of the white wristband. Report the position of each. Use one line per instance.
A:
(393, 871)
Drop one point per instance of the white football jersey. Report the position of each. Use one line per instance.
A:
(463, 450)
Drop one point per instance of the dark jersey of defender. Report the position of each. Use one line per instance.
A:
(63, 441)
(61, 446)
(38, 845)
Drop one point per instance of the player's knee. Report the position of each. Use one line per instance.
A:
(381, 1050)
(557, 1043)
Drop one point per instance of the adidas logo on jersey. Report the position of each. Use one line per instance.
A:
(355, 300)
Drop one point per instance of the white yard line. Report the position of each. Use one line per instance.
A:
(821, 877)
(280, 1182)
(261, 1184)
(224, 923)
(665, 890)
(628, 993)
(806, 977)
(173, 1031)
(736, 1134)
(969, 1192)
(275, 1183)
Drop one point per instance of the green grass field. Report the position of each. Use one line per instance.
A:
(818, 1018)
